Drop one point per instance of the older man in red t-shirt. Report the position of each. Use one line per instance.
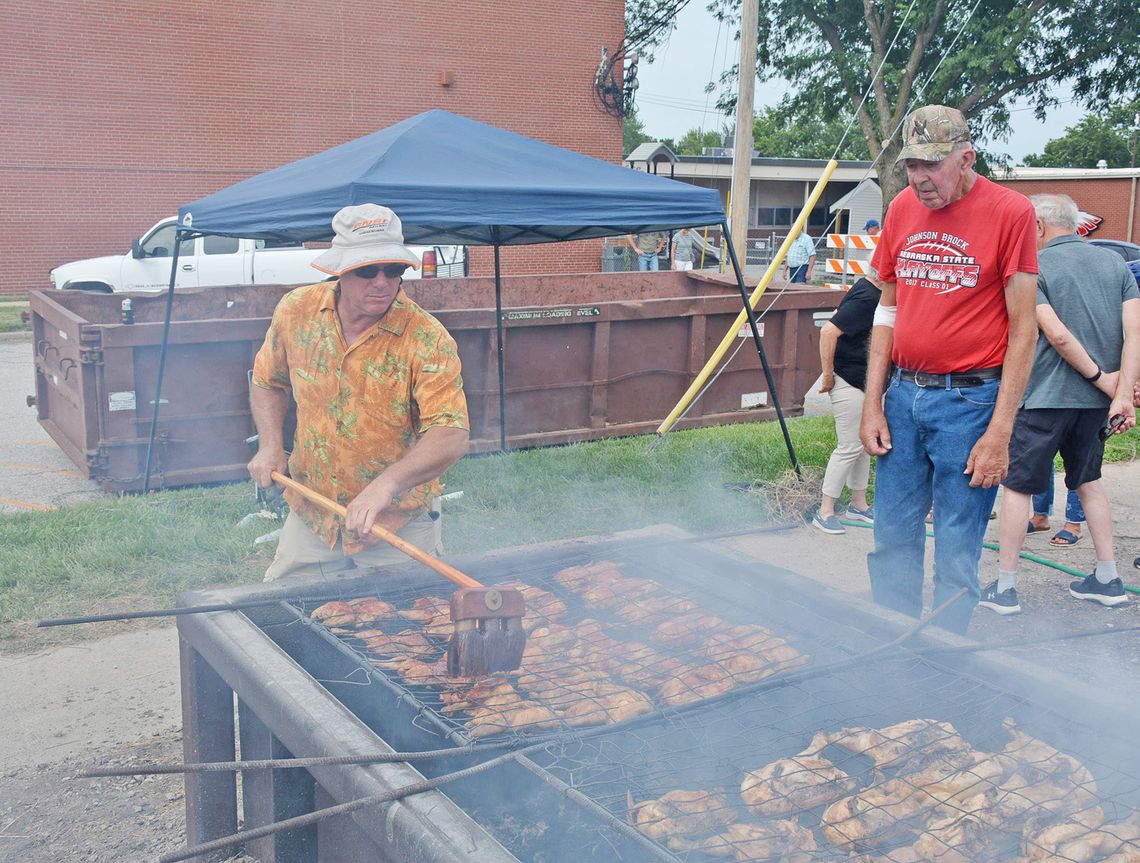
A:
(951, 346)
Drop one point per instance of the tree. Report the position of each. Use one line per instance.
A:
(694, 141)
(632, 133)
(1108, 135)
(780, 133)
(977, 55)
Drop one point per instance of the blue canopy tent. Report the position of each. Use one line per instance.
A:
(455, 180)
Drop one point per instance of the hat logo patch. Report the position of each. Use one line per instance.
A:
(371, 226)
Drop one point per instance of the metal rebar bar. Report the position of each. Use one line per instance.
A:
(331, 811)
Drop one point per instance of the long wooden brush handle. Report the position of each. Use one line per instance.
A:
(447, 571)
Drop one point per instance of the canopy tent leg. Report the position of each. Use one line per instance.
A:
(501, 355)
(760, 350)
(179, 235)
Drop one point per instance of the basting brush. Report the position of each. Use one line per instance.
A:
(488, 633)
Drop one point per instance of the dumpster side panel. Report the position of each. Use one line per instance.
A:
(67, 360)
(587, 356)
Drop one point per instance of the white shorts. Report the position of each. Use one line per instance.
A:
(683, 265)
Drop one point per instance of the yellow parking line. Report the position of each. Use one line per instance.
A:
(39, 468)
(26, 504)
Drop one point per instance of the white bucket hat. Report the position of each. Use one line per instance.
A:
(365, 234)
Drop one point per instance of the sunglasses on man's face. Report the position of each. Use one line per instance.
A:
(392, 271)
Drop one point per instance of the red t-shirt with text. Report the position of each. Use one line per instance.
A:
(950, 267)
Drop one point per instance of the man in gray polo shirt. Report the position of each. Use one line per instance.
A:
(1087, 361)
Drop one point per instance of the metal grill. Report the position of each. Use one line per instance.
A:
(604, 646)
(896, 759)
(895, 756)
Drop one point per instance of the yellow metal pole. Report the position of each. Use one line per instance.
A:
(704, 245)
(730, 336)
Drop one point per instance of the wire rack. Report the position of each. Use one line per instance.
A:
(896, 762)
(604, 646)
(709, 737)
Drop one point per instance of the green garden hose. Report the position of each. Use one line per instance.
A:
(1025, 554)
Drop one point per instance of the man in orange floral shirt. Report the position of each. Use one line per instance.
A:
(380, 407)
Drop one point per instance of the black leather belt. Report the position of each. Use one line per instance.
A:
(973, 378)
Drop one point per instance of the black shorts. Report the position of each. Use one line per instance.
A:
(1039, 433)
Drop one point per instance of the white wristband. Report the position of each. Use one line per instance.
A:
(884, 316)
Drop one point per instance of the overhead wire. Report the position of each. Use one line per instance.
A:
(919, 89)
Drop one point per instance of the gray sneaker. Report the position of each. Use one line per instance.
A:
(1106, 594)
(827, 525)
(1003, 602)
(866, 516)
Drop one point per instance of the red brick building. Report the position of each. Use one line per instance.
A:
(117, 113)
(1111, 194)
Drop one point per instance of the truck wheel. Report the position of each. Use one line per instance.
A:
(92, 287)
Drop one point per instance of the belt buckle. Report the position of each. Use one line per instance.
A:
(922, 379)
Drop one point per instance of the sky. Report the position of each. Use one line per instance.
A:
(671, 98)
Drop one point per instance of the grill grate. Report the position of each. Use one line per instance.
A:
(604, 646)
(965, 785)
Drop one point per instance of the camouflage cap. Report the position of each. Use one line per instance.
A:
(930, 133)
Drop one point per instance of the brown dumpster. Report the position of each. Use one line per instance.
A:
(587, 356)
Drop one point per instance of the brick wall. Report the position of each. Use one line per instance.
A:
(1107, 198)
(117, 113)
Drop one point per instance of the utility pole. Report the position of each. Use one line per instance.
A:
(742, 149)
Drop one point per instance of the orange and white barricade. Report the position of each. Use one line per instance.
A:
(852, 263)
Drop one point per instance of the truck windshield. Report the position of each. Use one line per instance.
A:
(159, 244)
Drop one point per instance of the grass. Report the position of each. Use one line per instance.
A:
(140, 552)
(125, 552)
(618, 484)
(10, 321)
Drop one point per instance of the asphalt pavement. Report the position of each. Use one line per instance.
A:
(35, 474)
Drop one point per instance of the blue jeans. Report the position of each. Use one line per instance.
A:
(932, 431)
(1043, 504)
(647, 261)
(799, 274)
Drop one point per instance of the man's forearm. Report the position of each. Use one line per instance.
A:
(1130, 356)
(878, 364)
(1018, 354)
(434, 453)
(1014, 376)
(269, 408)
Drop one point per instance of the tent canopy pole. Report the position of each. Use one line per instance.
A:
(499, 340)
(760, 350)
(179, 235)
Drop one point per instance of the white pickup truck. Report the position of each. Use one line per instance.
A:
(210, 260)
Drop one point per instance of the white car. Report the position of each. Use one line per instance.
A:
(211, 260)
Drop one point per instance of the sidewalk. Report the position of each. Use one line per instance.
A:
(35, 474)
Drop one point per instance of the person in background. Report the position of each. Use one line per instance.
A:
(1087, 360)
(843, 343)
(684, 246)
(1070, 534)
(951, 347)
(647, 247)
(871, 229)
(800, 260)
(381, 412)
